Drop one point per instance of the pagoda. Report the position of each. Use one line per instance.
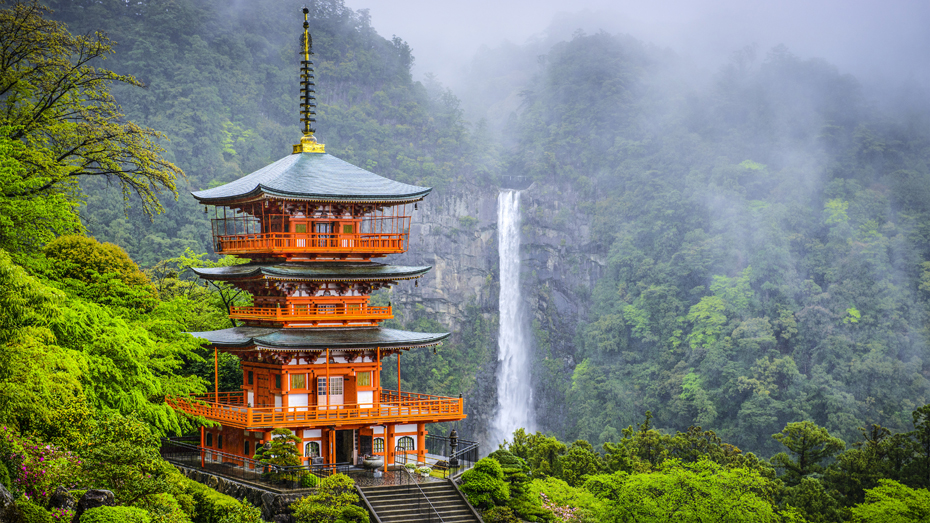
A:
(311, 346)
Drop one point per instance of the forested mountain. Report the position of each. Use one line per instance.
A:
(765, 238)
(760, 240)
(764, 230)
(222, 84)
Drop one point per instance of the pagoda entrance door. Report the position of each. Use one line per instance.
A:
(263, 396)
(345, 446)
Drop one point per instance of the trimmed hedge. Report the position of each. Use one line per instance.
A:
(30, 512)
(116, 515)
(209, 505)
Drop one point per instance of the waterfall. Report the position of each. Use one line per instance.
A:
(514, 390)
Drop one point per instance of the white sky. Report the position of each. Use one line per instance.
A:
(872, 39)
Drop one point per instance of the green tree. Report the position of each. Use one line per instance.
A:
(58, 103)
(892, 502)
(809, 446)
(702, 491)
(123, 457)
(580, 462)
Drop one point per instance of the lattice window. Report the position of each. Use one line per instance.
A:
(363, 379)
(298, 381)
(378, 445)
(312, 449)
(406, 443)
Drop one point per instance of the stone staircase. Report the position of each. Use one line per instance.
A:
(398, 503)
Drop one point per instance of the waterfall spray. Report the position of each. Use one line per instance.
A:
(514, 391)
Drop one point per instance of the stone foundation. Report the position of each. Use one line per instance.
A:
(275, 506)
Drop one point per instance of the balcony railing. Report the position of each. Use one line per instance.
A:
(285, 243)
(233, 411)
(336, 314)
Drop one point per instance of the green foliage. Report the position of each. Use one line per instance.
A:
(59, 104)
(209, 505)
(484, 484)
(100, 272)
(28, 222)
(124, 458)
(333, 501)
(893, 502)
(83, 357)
(116, 515)
(809, 446)
(31, 512)
(702, 491)
(499, 515)
(282, 451)
(243, 513)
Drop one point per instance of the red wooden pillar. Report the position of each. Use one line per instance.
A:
(421, 442)
(332, 445)
(202, 436)
(388, 445)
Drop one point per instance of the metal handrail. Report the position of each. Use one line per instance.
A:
(429, 518)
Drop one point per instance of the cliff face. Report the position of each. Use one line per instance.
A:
(455, 231)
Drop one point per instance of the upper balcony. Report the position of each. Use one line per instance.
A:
(316, 314)
(230, 409)
(316, 245)
(325, 233)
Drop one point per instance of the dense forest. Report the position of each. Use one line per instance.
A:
(764, 301)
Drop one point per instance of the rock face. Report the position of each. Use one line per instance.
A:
(455, 231)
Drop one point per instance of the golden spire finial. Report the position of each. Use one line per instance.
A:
(308, 143)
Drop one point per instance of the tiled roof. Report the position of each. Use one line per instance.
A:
(316, 271)
(313, 177)
(316, 339)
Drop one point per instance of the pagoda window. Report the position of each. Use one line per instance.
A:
(406, 443)
(335, 385)
(251, 378)
(209, 439)
(277, 381)
(298, 381)
(312, 449)
(219, 441)
(347, 228)
(246, 452)
(378, 445)
(363, 379)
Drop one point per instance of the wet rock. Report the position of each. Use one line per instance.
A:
(61, 499)
(92, 499)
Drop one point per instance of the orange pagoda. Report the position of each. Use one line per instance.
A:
(311, 346)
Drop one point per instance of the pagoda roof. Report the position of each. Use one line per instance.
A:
(319, 339)
(313, 177)
(313, 271)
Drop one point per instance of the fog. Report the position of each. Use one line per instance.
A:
(881, 43)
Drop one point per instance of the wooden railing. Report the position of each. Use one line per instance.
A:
(285, 242)
(406, 407)
(313, 312)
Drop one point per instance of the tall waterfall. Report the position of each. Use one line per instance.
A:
(514, 391)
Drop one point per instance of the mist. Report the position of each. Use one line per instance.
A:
(881, 43)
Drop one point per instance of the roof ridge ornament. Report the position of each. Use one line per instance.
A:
(308, 143)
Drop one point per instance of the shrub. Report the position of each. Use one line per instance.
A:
(243, 513)
(309, 481)
(353, 514)
(5, 477)
(499, 515)
(116, 515)
(335, 494)
(484, 484)
(164, 508)
(30, 512)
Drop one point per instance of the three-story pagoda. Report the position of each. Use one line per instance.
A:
(311, 346)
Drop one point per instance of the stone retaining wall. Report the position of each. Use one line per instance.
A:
(274, 505)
